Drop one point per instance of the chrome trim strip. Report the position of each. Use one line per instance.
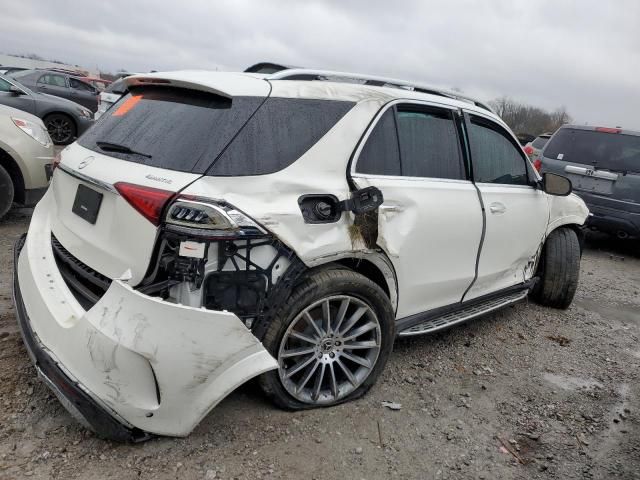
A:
(591, 172)
(88, 179)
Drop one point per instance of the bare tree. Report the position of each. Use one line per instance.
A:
(524, 118)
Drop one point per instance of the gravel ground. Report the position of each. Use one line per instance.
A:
(524, 393)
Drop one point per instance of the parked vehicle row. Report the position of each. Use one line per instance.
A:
(60, 84)
(64, 119)
(214, 227)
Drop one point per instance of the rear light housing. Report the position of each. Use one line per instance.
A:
(608, 130)
(528, 150)
(204, 217)
(537, 164)
(148, 201)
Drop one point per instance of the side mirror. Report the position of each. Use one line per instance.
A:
(556, 184)
(16, 90)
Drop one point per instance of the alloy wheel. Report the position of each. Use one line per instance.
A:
(329, 349)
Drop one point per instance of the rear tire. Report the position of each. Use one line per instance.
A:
(6, 191)
(559, 270)
(344, 294)
(62, 129)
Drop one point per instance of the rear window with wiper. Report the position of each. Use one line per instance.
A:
(172, 128)
(611, 151)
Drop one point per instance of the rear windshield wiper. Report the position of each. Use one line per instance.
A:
(116, 147)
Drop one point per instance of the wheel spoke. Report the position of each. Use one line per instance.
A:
(344, 305)
(297, 352)
(347, 372)
(354, 318)
(332, 381)
(312, 322)
(326, 316)
(356, 359)
(303, 337)
(360, 330)
(360, 345)
(318, 385)
(299, 366)
(307, 377)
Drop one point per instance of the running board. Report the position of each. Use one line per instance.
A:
(464, 314)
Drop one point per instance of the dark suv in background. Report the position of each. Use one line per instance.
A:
(604, 166)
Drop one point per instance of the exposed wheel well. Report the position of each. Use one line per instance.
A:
(367, 269)
(10, 165)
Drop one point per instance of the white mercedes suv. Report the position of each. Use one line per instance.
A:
(214, 227)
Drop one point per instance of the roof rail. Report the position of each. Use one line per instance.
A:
(328, 75)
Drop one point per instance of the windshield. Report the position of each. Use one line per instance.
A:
(613, 151)
(16, 83)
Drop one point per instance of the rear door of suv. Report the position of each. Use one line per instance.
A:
(430, 223)
(516, 211)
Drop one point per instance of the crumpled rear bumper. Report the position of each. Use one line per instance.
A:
(132, 365)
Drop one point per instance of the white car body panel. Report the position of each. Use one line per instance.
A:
(431, 252)
(429, 230)
(109, 250)
(516, 217)
(105, 100)
(197, 356)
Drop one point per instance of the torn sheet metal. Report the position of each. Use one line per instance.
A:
(157, 366)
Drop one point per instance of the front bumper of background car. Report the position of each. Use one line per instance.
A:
(132, 365)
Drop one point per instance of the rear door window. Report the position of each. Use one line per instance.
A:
(280, 132)
(496, 158)
(611, 151)
(380, 155)
(429, 145)
(177, 129)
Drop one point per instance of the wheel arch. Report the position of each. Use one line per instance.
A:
(12, 167)
(373, 265)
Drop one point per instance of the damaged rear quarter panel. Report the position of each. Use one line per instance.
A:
(272, 199)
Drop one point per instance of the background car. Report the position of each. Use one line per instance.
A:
(604, 166)
(61, 85)
(533, 149)
(99, 83)
(64, 119)
(7, 70)
(26, 153)
(110, 95)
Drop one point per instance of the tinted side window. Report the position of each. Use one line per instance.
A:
(279, 133)
(429, 144)
(4, 86)
(494, 156)
(381, 155)
(81, 85)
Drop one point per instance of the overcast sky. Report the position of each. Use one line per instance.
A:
(583, 54)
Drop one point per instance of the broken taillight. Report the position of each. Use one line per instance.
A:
(146, 200)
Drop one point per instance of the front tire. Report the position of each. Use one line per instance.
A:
(6, 191)
(559, 270)
(331, 338)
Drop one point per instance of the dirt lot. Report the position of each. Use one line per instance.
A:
(524, 393)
